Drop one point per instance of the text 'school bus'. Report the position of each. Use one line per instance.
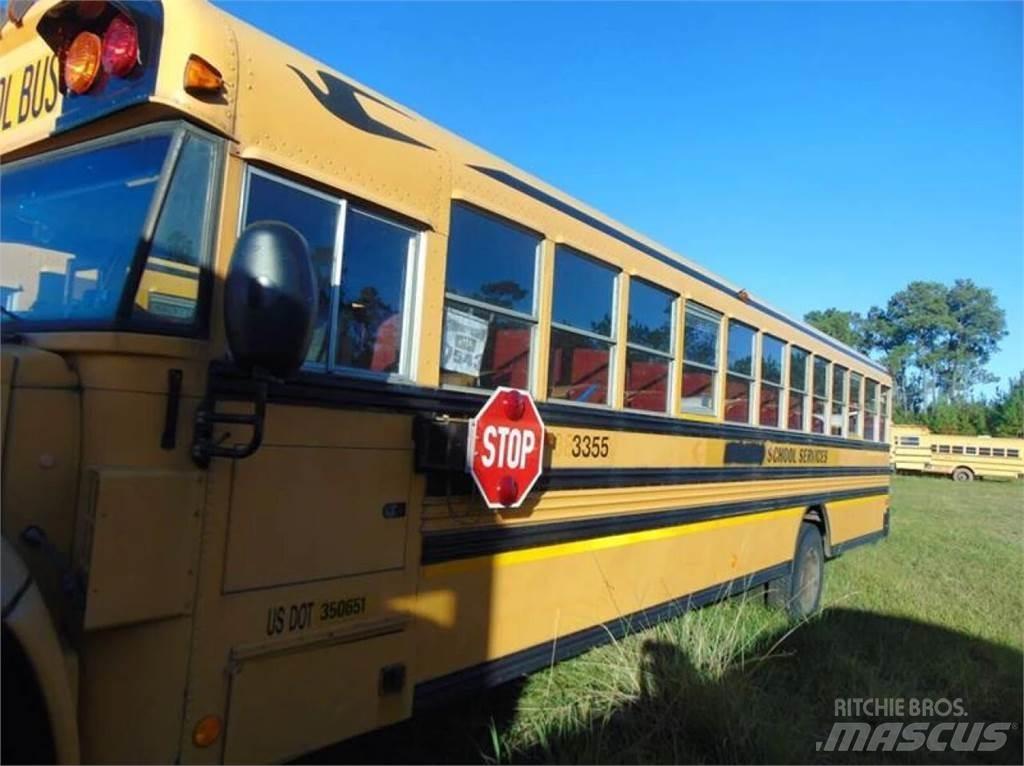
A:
(916, 449)
(249, 307)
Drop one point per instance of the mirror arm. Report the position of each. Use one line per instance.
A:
(204, 448)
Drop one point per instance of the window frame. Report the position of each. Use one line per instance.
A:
(858, 431)
(123, 319)
(782, 418)
(825, 398)
(705, 312)
(673, 367)
(805, 393)
(411, 290)
(612, 340)
(870, 409)
(841, 399)
(532, 319)
(753, 395)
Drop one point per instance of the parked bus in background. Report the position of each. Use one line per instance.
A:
(915, 449)
(249, 309)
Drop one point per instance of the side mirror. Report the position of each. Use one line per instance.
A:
(270, 299)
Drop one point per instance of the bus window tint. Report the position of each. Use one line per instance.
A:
(316, 219)
(772, 360)
(375, 265)
(855, 405)
(838, 418)
(700, 359)
(819, 402)
(582, 328)
(797, 405)
(490, 312)
(739, 376)
(649, 347)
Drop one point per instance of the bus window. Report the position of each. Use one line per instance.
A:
(490, 312)
(943, 449)
(997, 452)
(870, 410)
(169, 287)
(855, 403)
(883, 413)
(1013, 453)
(971, 451)
(772, 360)
(739, 374)
(582, 328)
(376, 265)
(797, 406)
(315, 216)
(958, 450)
(838, 418)
(984, 452)
(819, 404)
(700, 359)
(649, 346)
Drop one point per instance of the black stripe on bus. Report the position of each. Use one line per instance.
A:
(322, 390)
(600, 478)
(856, 542)
(585, 218)
(494, 672)
(451, 545)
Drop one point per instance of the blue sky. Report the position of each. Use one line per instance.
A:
(818, 154)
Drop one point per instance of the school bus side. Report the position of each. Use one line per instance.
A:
(960, 457)
(346, 571)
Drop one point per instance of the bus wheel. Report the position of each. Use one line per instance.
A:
(963, 474)
(799, 591)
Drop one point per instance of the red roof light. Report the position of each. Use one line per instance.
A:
(120, 47)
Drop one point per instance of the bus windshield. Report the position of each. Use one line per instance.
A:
(71, 224)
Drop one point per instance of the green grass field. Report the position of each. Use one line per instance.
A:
(936, 611)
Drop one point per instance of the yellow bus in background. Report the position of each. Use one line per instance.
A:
(916, 449)
(249, 308)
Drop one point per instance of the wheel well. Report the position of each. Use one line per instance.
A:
(24, 708)
(817, 516)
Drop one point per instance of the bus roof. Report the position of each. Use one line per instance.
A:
(268, 83)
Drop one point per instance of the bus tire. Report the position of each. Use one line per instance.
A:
(963, 473)
(799, 591)
(26, 722)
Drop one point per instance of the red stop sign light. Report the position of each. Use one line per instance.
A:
(505, 451)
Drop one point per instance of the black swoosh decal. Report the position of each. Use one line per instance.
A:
(340, 100)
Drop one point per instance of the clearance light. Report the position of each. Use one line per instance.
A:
(82, 62)
(120, 47)
(207, 730)
(201, 76)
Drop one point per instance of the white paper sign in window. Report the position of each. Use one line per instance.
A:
(465, 338)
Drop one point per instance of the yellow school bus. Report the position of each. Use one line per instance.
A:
(915, 449)
(249, 307)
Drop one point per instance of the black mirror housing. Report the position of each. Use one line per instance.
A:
(270, 299)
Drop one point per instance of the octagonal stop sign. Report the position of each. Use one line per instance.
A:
(505, 450)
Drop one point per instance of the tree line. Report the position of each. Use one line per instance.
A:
(936, 341)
